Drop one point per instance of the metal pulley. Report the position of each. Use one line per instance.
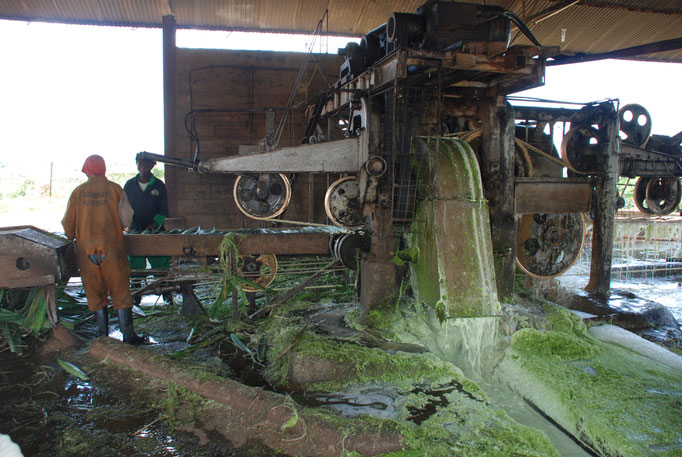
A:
(635, 124)
(262, 198)
(549, 244)
(663, 194)
(639, 195)
(659, 196)
(260, 270)
(342, 202)
(375, 166)
(581, 147)
(347, 246)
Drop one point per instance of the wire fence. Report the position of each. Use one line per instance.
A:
(644, 247)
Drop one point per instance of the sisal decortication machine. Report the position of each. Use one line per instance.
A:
(447, 70)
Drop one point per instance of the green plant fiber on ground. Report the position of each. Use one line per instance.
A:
(614, 400)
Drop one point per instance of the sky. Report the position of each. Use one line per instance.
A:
(68, 91)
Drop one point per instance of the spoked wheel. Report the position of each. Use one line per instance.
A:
(549, 244)
(342, 202)
(635, 124)
(262, 198)
(663, 195)
(260, 270)
(639, 195)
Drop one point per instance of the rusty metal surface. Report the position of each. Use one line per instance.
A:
(630, 22)
(33, 257)
(208, 245)
(341, 156)
(552, 197)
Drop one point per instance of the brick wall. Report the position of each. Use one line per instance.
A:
(219, 79)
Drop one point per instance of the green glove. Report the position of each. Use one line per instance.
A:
(158, 220)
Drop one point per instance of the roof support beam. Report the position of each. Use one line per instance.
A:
(636, 9)
(650, 48)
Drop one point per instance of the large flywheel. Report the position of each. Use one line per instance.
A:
(549, 244)
(342, 202)
(262, 198)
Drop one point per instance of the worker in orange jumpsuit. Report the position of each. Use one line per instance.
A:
(93, 219)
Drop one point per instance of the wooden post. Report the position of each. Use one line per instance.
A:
(377, 270)
(169, 108)
(605, 206)
(497, 170)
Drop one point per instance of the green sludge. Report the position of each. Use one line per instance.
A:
(454, 270)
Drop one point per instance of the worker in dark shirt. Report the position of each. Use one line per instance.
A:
(147, 195)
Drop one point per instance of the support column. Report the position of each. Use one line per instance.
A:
(605, 206)
(377, 270)
(497, 169)
(169, 108)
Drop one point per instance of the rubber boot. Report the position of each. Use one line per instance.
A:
(125, 321)
(102, 316)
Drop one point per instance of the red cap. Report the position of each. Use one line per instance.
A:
(94, 165)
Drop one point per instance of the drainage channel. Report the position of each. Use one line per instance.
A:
(517, 408)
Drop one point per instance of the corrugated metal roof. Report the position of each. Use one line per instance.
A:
(590, 26)
(591, 29)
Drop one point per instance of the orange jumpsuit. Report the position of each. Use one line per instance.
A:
(92, 218)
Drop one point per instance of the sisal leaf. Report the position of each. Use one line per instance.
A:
(73, 369)
(237, 342)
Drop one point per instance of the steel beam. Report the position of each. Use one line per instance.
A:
(342, 156)
(639, 161)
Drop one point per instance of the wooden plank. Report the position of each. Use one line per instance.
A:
(32, 281)
(552, 197)
(208, 245)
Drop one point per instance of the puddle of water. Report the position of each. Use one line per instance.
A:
(436, 399)
(46, 411)
(376, 400)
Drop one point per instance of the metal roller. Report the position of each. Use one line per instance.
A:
(346, 247)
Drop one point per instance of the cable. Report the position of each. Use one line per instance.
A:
(544, 100)
(306, 59)
(519, 23)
